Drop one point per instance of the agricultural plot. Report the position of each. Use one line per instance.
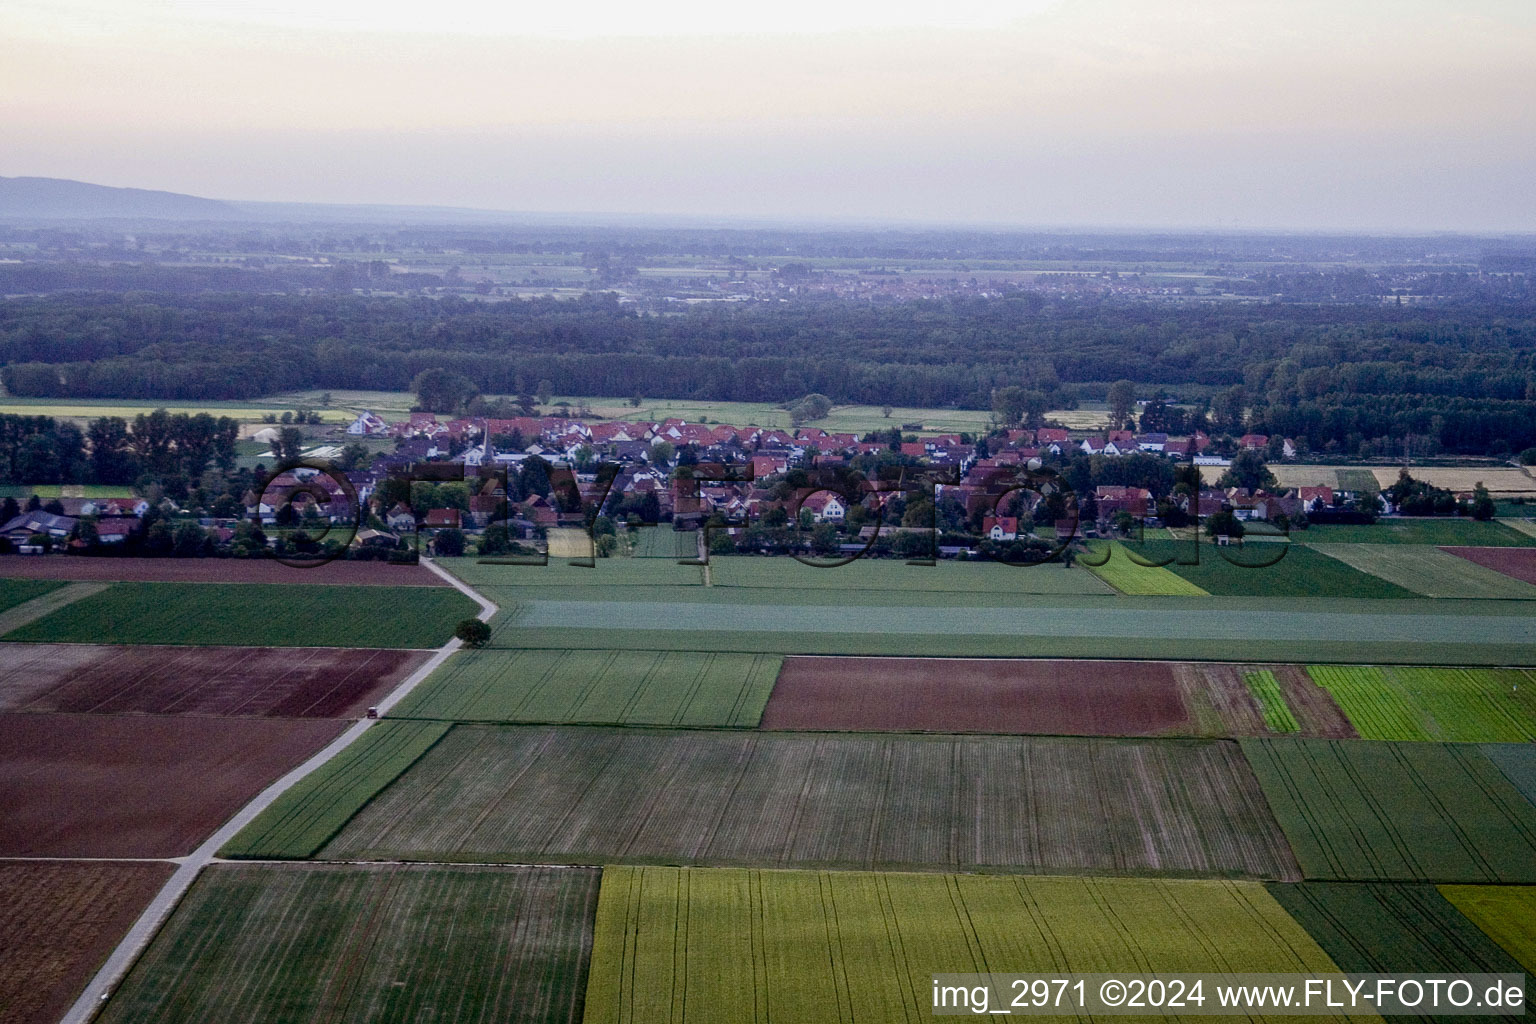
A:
(306, 816)
(216, 570)
(684, 689)
(1446, 532)
(1391, 928)
(677, 944)
(1505, 913)
(1360, 810)
(559, 575)
(14, 592)
(580, 795)
(1248, 629)
(1300, 572)
(256, 614)
(1129, 577)
(1428, 571)
(145, 786)
(1044, 697)
(277, 682)
(1266, 690)
(881, 575)
(58, 922)
(1518, 763)
(1414, 703)
(1362, 480)
(325, 944)
(1516, 563)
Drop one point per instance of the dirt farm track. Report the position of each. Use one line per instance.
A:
(274, 682)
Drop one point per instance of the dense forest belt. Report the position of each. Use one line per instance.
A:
(1466, 372)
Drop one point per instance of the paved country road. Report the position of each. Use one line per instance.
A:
(165, 901)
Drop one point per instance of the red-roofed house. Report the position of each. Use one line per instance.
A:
(1000, 527)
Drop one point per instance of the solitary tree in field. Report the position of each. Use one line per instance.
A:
(473, 633)
(886, 411)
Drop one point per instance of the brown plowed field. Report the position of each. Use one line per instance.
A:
(1082, 698)
(1038, 697)
(58, 922)
(274, 682)
(212, 570)
(1518, 563)
(142, 786)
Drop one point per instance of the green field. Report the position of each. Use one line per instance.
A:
(674, 945)
(878, 576)
(1372, 811)
(1391, 928)
(327, 944)
(1428, 571)
(85, 408)
(1506, 913)
(1300, 572)
(1450, 532)
(1518, 763)
(1420, 631)
(1266, 690)
(305, 817)
(559, 575)
(256, 615)
(684, 689)
(1362, 480)
(1129, 577)
(1413, 703)
(15, 592)
(575, 795)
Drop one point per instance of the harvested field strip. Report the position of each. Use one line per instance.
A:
(1516, 563)
(600, 687)
(256, 614)
(1412, 703)
(1428, 571)
(1518, 763)
(584, 795)
(678, 944)
(327, 944)
(1389, 928)
(1369, 811)
(1128, 577)
(305, 817)
(280, 682)
(19, 591)
(145, 786)
(1505, 913)
(58, 921)
(1266, 690)
(128, 569)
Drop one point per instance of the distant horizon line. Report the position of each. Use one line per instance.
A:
(725, 221)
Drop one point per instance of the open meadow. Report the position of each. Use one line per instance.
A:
(581, 795)
(678, 944)
(1434, 703)
(256, 614)
(327, 944)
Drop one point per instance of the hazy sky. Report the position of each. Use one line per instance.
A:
(1336, 114)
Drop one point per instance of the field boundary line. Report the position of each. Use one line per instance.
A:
(105, 981)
